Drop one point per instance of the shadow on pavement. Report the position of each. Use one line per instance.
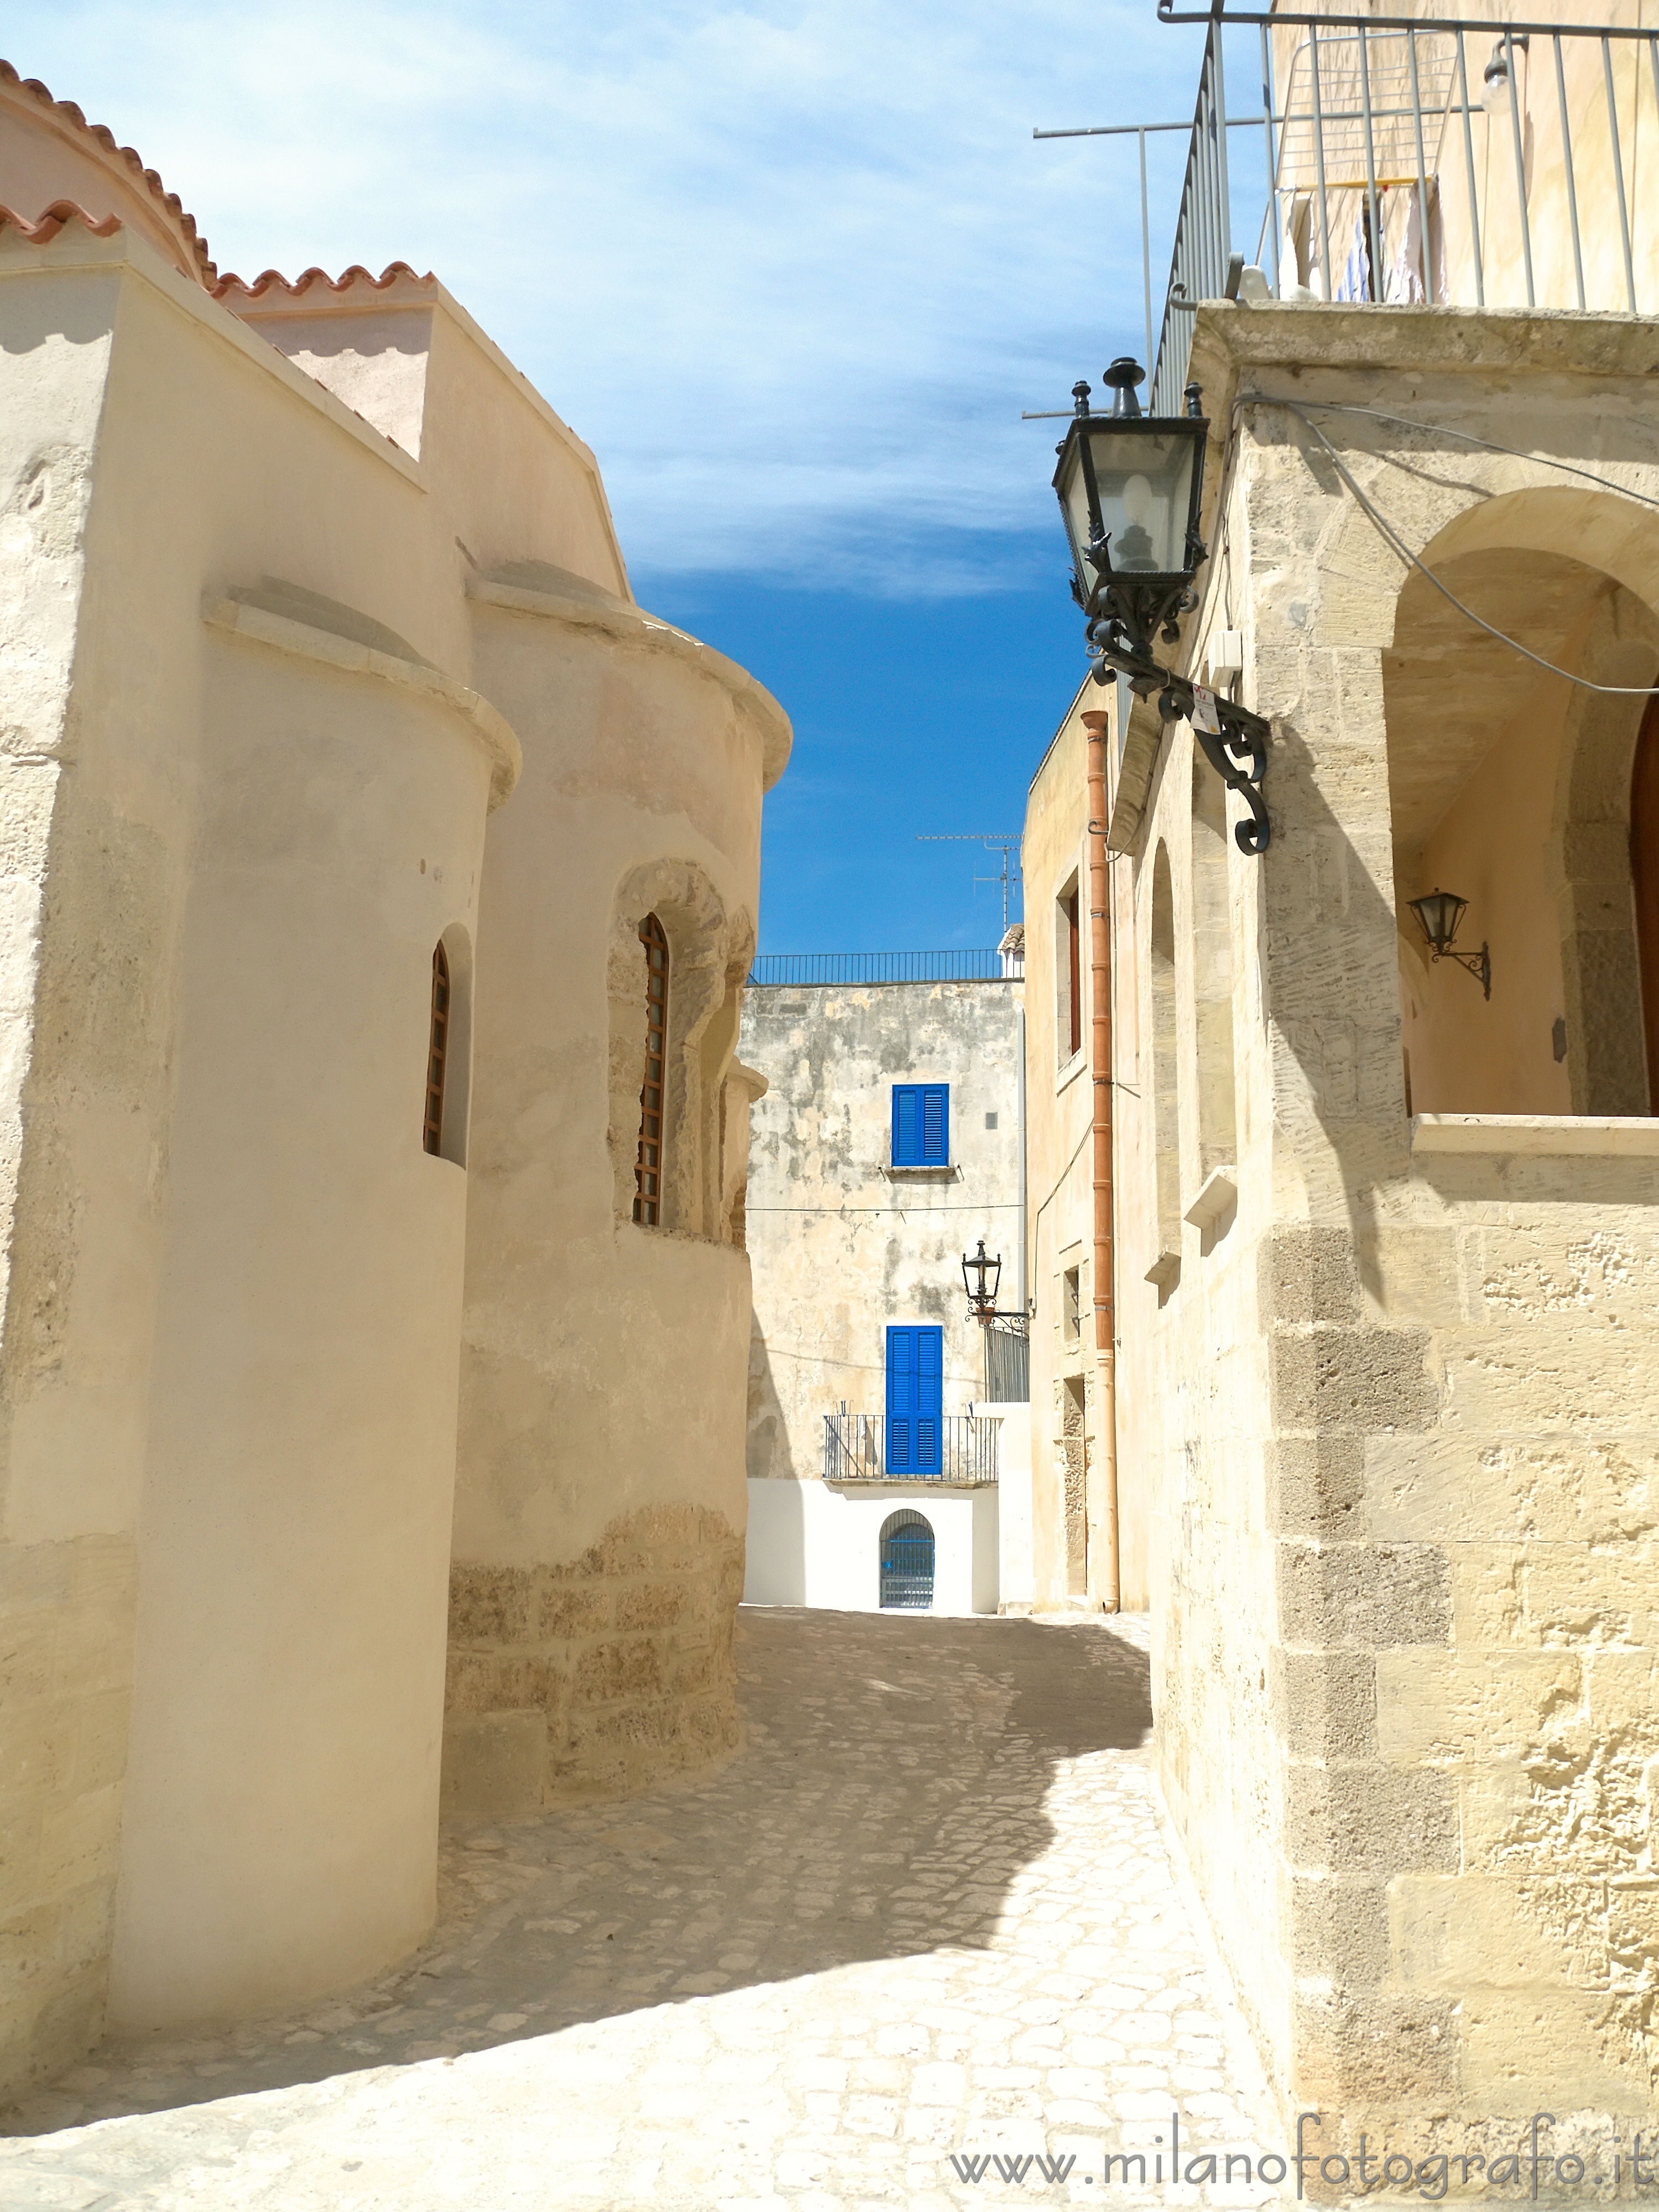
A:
(890, 1789)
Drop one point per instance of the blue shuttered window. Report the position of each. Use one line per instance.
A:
(915, 1399)
(921, 1124)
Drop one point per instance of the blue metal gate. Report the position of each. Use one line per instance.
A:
(907, 1563)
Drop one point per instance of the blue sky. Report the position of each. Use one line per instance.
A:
(793, 268)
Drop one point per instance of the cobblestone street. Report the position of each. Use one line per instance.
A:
(925, 1910)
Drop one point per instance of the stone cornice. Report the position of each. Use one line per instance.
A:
(241, 618)
(586, 607)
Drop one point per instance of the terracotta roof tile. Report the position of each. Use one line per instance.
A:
(168, 201)
(46, 225)
(356, 274)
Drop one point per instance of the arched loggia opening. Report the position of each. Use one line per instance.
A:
(1513, 788)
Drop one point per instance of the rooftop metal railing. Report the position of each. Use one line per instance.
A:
(964, 1452)
(984, 964)
(1475, 161)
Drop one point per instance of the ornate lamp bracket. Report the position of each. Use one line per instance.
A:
(1236, 746)
(1477, 964)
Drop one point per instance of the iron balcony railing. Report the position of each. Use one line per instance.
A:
(964, 1453)
(1008, 1360)
(984, 964)
(1402, 160)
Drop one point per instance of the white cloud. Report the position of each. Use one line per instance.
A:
(792, 267)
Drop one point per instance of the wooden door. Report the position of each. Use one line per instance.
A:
(1645, 878)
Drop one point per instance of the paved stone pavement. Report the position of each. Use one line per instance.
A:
(925, 1910)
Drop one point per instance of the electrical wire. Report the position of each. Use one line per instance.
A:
(1391, 537)
(1488, 445)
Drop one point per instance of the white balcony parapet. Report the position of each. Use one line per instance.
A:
(1623, 1136)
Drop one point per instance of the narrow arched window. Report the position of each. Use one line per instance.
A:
(647, 1166)
(437, 1050)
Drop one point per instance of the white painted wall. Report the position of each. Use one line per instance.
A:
(1016, 1588)
(814, 1545)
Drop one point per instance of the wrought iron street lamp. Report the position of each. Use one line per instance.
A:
(1439, 913)
(982, 1277)
(1130, 486)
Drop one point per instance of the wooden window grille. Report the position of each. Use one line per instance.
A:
(647, 1168)
(433, 1135)
(1075, 970)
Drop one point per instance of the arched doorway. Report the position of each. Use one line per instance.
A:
(907, 1563)
(1644, 883)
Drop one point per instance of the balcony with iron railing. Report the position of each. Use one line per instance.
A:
(1402, 161)
(959, 1449)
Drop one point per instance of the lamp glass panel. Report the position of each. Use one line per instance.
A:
(1074, 502)
(1145, 484)
(1440, 912)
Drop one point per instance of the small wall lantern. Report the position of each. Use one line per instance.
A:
(1498, 91)
(1439, 913)
(982, 1277)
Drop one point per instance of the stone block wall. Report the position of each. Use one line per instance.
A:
(596, 1676)
(65, 1691)
(1403, 1412)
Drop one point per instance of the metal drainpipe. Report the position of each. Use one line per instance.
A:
(1100, 1013)
(1019, 1117)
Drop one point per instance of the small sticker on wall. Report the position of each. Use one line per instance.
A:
(1204, 715)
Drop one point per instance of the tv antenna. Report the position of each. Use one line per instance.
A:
(994, 841)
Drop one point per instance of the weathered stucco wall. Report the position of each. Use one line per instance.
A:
(842, 1242)
(80, 1065)
(253, 1269)
(1409, 1394)
(600, 1501)
(248, 758)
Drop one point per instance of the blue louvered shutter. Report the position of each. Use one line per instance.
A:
(930, 1398)
(935, 1124)
(907, 1125)
(921, 1124)
(915, 1397)
(901, 1401)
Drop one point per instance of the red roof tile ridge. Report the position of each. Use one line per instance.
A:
(272, 278)
(106, 137)
(47, 224)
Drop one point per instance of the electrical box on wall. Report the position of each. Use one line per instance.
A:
(1225, 659)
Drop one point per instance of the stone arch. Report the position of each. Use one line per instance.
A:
(731, 1089)
(705, 946)
(1598, 529)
